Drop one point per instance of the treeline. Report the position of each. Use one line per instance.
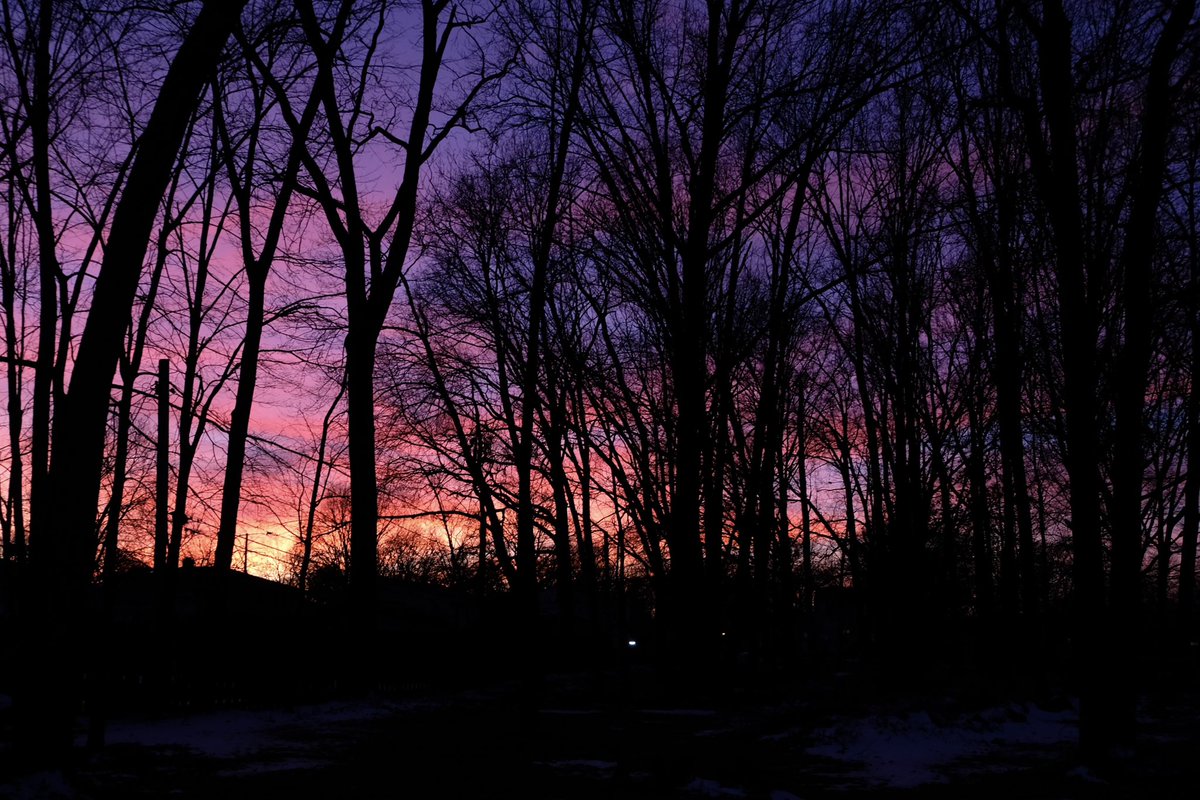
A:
(741, 300)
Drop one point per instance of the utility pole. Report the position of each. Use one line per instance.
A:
(163, 469)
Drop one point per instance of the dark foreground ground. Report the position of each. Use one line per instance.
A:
(418, 742)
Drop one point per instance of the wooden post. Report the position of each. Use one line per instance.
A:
(163, 476)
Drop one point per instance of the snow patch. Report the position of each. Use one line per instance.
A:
(912, 750)
(229, 734)
(708, 788)
(39, 786)
(1084, 774)
(281, 765)
(580, 764)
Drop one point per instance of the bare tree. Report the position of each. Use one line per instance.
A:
(64, 559)
(247, 156)
(1049, 94)
(375, 249)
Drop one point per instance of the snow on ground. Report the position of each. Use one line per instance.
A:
(39, 786)
(887, 751)
(245, 741)
(708, 788)
(914, 749)
(580, 766)
(232, 734)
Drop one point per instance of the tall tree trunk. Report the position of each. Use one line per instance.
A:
(689, 364)
(48, 274)
(555, 436)
(50, 687)
(587, 544)
(1008, 384)
(258, 269)
(1133, 363)
(950, 599)
(1055, 160)
(364, 488)
(806, 565)
(539, 293)
(716, 471)
(14, 532)
(188, 403)
(239, 418)
(1191, 486)
(375, 260)
(845, 467)
(771, 417)
(873, 522)
(314, 498)
(981, 527)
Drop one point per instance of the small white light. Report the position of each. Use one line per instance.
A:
(633, 642)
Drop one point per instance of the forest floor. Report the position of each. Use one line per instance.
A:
(433, 742)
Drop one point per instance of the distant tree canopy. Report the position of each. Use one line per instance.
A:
(740, 300)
